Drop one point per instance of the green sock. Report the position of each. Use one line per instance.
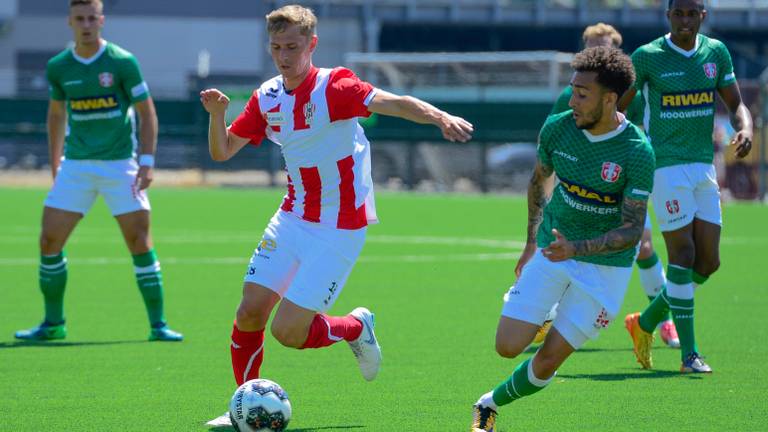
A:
(656, 312)
(682, 314)
(699, 278)
(150, 282)
(53, 280)
(518, 385)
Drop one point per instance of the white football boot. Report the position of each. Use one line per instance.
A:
(365, 348)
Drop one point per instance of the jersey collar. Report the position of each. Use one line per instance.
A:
(93, 58)
(306, 85)
(668, 38)
(608, 135)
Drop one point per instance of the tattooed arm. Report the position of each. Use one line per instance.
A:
(539, 190)
(633, 214)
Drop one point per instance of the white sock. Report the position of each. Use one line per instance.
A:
(653, 279)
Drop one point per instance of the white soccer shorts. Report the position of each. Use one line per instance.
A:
(589, 294)
(79, 182)
(684, 192)
(305, 262)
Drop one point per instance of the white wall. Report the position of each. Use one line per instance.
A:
(8, 8)
(168, 49)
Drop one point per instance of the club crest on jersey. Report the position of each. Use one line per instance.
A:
(106, 79)
(710, 70)
(610, 172)
(309, 112)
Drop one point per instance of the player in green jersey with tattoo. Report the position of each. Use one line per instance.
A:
(582, 242)
(679, 75)
(94, 88)
(651, 271)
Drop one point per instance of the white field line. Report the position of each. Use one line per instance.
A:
(501, 256)
(506, 245)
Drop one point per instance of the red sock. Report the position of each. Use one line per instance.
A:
(247, 351)
(327, 330)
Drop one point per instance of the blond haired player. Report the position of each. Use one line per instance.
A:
(312, 242)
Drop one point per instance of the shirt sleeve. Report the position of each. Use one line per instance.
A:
(636, 109)
(250, 123)
(55, 91)
(726, 76)
(544, 148)
(561, 104)
(640, 72)
(132, 81)
(640, 171)
(347, 95)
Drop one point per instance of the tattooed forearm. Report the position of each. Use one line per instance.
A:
(626, 236)
(538, 196)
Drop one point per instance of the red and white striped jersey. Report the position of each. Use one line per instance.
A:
(326, 153)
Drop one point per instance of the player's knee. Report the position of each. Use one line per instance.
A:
(507, 349)
(288, 336)
(684, 255)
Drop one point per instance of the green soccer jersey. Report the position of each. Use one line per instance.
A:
(679, 90)
(595, 173)
(634, 110)
(98, 93)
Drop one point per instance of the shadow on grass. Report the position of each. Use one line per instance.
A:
(653, 374)
(532, 349)
(309, 429)
(50, 344)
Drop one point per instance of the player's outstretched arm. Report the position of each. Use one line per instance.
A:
(741, 119)
(633, 214)
(147, 140)
(454, 128)
(539, 191)
(56, 125)
(221, 144)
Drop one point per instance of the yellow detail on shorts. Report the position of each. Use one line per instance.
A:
(268, 245)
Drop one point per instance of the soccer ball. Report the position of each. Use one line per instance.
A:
(260, 405)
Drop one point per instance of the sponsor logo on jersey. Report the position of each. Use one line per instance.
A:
(710, 70)
(272, 92)
(583, 193)
(580, 206)
(309, 112)
(688, 99)
(94, 104)
(610, 171)
(275, 118)
(566, 155)
(71, 83)
(671, 74)
(106, 79)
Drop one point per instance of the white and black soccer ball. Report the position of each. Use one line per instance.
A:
(260, 405)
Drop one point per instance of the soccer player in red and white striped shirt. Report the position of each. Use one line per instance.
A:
(312, 242)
